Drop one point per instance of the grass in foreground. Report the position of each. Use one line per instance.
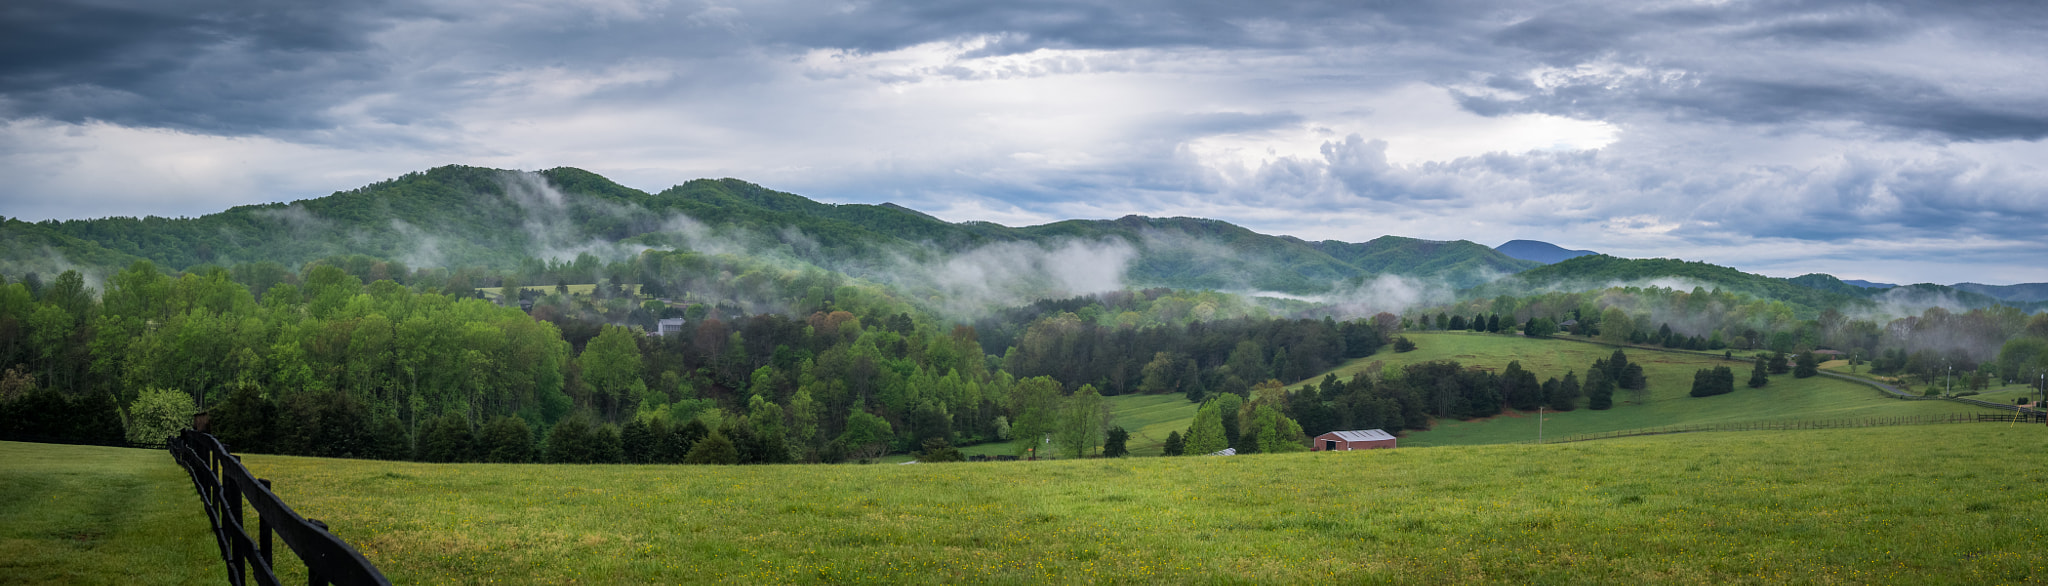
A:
(1666, 402)
(93, 515)
(1902, 505)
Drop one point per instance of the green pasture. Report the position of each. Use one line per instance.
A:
(1936, 504)
(1148, 417)
(1665, 402)
(93, 515)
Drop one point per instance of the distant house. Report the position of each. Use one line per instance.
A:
(669, 327)
(1341, 441)
(1225, 452)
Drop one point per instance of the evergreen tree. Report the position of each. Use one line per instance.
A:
(1457, 323)
(1113, 442)
(1566, 398)
(448, 441)
(1493, 323)
(1808, 366)
(639, 442)
(1599, 390)
(610, 449)
(1779, 363)
(1632, 378)
(572, 441)
(1174, 445)
(506, 440)
(1758, 376)
(1707, 382)
(713, 449)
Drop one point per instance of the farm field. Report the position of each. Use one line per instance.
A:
(1664, 403)
(1148, 417)
(94, 515)
(1941, 504)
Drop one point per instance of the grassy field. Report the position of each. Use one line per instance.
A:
(1903, 505)
(92, 515)
(1148, 417)
(1665, 402)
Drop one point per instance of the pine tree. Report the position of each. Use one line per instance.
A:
(1808, 366)
(1567, 396)
(1599, 390)
(1632, 378)
(1174, 444)
(1113, 442)
(1758, 376)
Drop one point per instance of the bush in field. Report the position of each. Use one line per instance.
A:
(939, 450)
(1707, 382)
(610, 449)
(507, 440)
(713, 449)
(572, 441)
(157, 414)
(450, 440)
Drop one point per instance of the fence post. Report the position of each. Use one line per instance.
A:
(231, 500)
(313, 574)
(263, 532)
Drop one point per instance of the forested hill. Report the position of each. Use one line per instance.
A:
(459, 216)
(1811, 293)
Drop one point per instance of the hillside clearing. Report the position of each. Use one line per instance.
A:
(1665, 402)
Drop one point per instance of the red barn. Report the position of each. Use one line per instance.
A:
(1339, 441)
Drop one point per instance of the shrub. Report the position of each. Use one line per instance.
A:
(157, 414)
(506, 440)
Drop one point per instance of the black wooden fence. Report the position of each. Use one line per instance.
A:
(224, 485)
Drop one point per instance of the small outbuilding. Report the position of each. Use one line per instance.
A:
(1364, 439)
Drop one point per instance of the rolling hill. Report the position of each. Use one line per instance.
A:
(1539, 251)
(459, 216)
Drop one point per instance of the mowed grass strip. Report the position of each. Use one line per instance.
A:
(1665, 402)
(94, 515)
(1927, 504)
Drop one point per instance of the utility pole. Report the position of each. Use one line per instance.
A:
(1539, 423)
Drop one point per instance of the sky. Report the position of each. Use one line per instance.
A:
(1894, 141)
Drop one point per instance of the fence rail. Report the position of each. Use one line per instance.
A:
(224, 485)
(2035, 417)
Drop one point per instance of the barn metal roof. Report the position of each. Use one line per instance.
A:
(1364, 435)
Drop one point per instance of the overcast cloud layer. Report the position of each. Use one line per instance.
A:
(1897, 142)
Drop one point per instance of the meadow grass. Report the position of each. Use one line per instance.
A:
(1926, 504)
(94, 515)
(1149, 418)
(1665, 402)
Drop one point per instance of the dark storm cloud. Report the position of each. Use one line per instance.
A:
(228, 66)
(251, 68)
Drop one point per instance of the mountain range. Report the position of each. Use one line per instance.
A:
(461, 216)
